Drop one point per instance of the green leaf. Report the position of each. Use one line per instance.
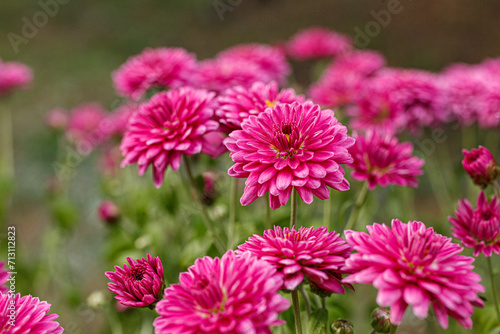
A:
(318, 321)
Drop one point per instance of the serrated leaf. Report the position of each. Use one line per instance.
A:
(318, 321)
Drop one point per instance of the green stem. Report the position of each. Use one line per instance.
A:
(7, 144)
(269, 221)
(307, 300)
(296, 311)
(206, 219)
(372, 331)
(293, 213)
(394, 328)
(496, 187)
(323, 302)
(327, 211)
(494, 292)
(233, 204)
(358, 205)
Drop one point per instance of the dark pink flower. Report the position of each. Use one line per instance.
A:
(316, 254)
(154, 68)
(140, 284)
(87, 127)
(238, 103)
(479, 228)
(233, 294)
(4, 276)
(314, 43)
(342, 81)
(382, 160)
(13, 76)
(481, 166)
(30, 316)
(290, 146)
(411, 264)
(220, 74)
(171, 124)
(56, 119)
(108, 212)
(271, 60)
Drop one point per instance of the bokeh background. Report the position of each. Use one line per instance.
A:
(74, 53)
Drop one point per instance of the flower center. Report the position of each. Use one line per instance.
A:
(209, 295)
(287, 139)
(137, 274)
(270, 103)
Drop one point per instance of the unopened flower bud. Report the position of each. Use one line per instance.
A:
(481, 166)
(56, 119)
(381, 320)
(342, 326)
(109, 212)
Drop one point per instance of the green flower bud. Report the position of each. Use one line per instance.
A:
(342, 326)
(381, 320)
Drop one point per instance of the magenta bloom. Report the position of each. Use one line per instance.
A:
(118, 120)
(489, 106)
(108, 212)
(220, 74)
(314, 43)
(13, 76)
(160, 68)
(238, 103)
(480, 228)
(233, 294)
(4, 276)
(171, 124)
(316, 254)
(30, 316)
(271, 60)
(382, 160)
(290, 146)
(481, 166)
(87, 127)
(342, 81)
(412, 265)
(140, 284)
(57, 119)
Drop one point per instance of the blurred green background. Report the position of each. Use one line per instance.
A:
(74, 53)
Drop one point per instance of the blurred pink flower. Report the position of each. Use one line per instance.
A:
(314, 43)
(118, 119)
(140, 284)
(169, 125)
(233, 294)
(13, 76)
(382, 160)
(238, 103)
(220, 74)
(87, 127)
(290, 146)
(109, 160)
(108, 212)
(154, 68)
(481, 166)
(30, 316)
(413, 265)
(4, 276)
(480, 228)
(488, 115)
(56, 119)
(271, 60)
(342, 81)
(316, 254)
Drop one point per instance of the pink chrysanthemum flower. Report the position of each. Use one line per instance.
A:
(316, 254)
(118, 120)
(4, 276)
(220, 74)
(13, 76)
(171, 124)
(233, 294)
(413, 265)
(489, 106)
(344, 78)
(290, 146)
(30, 316)
(382, 160)
(161, 68)
(271, 60)
(140, 284)
(314, 43)
(480, 228)
(481, 166)
(87, 127)
(238, 103)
